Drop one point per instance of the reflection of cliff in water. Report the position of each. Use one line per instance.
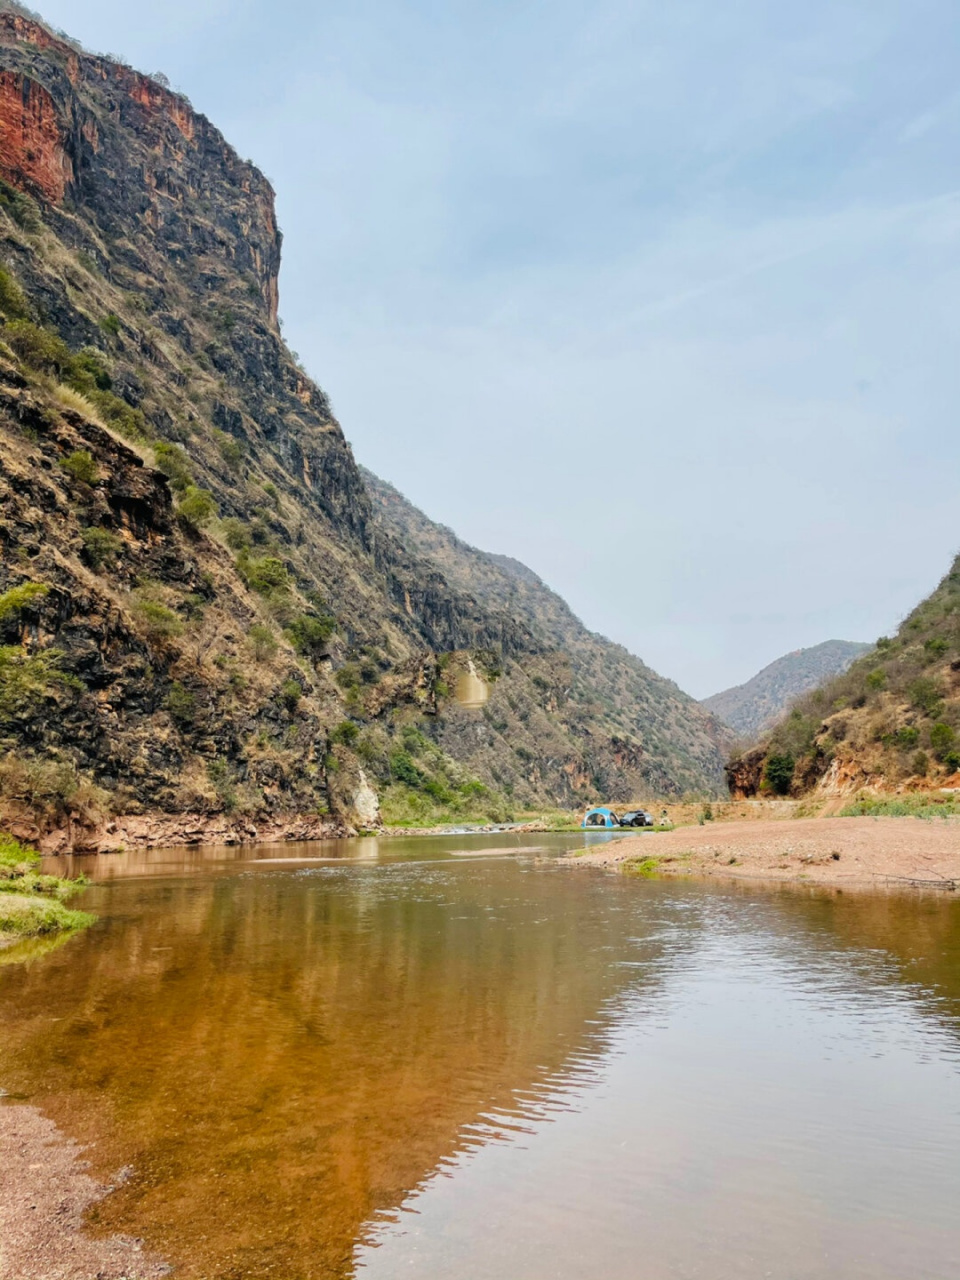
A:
(280, 1055)
(899, 937)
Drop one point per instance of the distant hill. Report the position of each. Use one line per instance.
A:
(752, 708)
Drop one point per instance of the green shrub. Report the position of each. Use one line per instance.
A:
(17, 598)
(935, 647)
(438, 789)
(235, 534)
(346, 732)
(796, 734)
(87, 373)
(266, 575)
(474, 788)
(263, 642)
(403, 769)
(21, 208)
(101, 548)
(111, 324)
(81, 466)
(231, 450)
(37, 347)
(126, 420)
(413, 740)
(197, 507)
(290, 694)
(920, 764)
(154, 620)
(348, 677)
(942, 738)
(12, 302)
(259, 533)
(925, 694)
(778, 773)
(309, 634)
(174, 464)
(181, 704)
(26, 679)
(906, 737)
(876, 680)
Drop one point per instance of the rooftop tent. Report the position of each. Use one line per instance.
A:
(600, 817)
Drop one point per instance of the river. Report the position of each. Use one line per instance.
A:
(428, 1058)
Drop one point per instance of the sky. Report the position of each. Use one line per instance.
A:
(661, 299)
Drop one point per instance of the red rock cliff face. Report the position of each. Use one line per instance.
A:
(32, 151)
(75, 126)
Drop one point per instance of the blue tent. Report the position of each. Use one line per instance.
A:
(600, 817)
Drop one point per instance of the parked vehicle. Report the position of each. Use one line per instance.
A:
(637, 818)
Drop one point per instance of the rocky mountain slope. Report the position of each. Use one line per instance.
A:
(200, 614)
(890, 723)
(609, 690)
(752, 708)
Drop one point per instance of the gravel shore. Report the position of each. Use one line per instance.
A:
(44, 1193)
(833, 851)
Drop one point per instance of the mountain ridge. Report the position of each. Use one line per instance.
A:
(222, 628)
(601, 669)
(753, 707)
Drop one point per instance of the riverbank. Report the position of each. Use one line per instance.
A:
(829, 851)
(32, 904)
(45, 1190)
(163, 830)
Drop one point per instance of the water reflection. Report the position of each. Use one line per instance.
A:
(787, 1107)
(280, 1054)
(181, 860)
(620, 1078)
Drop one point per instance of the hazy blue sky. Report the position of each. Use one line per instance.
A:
(662, 299)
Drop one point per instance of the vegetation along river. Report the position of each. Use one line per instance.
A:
(397, 1060)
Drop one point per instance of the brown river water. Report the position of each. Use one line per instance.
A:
(393, 1061)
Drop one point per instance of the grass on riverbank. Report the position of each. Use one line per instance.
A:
(924, 805)
(32, 904)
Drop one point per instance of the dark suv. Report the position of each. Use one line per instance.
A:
(637, 818)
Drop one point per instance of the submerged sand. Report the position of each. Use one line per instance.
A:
(832, 851)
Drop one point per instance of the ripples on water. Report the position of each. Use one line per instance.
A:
(496, 1069)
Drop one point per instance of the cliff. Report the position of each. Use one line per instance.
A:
(752, 708)
(891, 723)
(202, 617)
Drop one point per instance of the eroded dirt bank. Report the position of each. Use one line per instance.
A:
(161, 830)
(832, 851)
(44, 1193)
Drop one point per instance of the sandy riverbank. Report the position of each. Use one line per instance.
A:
(45, 1190)
(832, 851)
